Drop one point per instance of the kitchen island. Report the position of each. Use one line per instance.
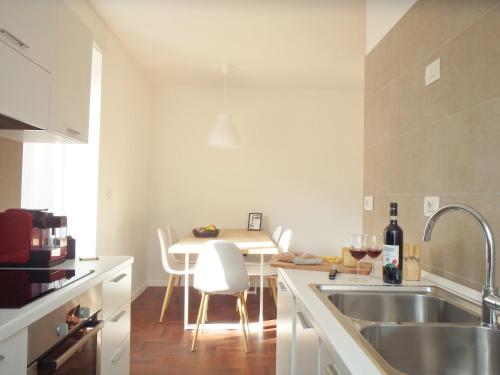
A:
(311, 340)
(111, 275)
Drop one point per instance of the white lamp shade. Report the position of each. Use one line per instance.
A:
(223, 134)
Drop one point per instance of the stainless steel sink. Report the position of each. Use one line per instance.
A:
(400, 307)
(437, 349)
(415, 330)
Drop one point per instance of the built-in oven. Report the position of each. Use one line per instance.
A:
(68, 339)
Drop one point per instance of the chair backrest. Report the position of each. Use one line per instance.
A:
(277, 234)
(167, 259)
(284, 242)
(220, 269)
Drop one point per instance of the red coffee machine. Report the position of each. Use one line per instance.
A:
(32, 238)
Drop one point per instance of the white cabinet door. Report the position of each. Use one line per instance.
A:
(14, 354)
(327, 363)
(284, 329)
(306, 342)
(24, 89)
(118, 362)
(70, 101)
(28, 26)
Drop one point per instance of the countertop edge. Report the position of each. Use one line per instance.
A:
(15, 320)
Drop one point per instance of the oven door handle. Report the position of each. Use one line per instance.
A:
(56, 363)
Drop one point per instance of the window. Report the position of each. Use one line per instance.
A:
(64, 177)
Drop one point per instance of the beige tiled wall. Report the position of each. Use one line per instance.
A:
(11, 162)
(442, 139)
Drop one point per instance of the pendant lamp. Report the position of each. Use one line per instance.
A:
(223, 134)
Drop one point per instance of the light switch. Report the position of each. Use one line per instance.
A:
(368, 204)
(431, 205)
(433, 71)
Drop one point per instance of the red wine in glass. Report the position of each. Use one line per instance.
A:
(373, 253)
(358, 254)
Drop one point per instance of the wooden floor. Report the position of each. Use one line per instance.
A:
(164, 348)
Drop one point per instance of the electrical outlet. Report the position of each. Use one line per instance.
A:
(431, 205)
(368, 203)
(433, 71)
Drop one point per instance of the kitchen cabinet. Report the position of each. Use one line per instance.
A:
(24, 89)
(115, 340)
(45, 72)
(14, 354)
(284, 328)
(327, 364)
(72, 60)
(306, 342)
(27, 26)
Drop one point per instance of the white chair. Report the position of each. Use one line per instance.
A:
(270, 273)
(277, 234)
(171, 266)
(221, 270)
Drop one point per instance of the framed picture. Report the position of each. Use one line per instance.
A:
(254, 221)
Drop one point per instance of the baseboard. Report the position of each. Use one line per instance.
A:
(139, 291)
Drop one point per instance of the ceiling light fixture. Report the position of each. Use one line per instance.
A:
(223, 134)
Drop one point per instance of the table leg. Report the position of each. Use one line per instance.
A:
(261, 307)
(186, 291)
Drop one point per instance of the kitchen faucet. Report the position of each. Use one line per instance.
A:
(491, 299)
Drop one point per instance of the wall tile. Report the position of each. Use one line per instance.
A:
(377, 117)
(442, 139)
(474, 150)
(474, 63)
(418, 161)
(376, 164)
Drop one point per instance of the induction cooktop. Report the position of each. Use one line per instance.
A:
(19, 287)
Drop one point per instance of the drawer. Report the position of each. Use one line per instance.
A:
(118, 362)
(13, 354)
(115, 329)
(116, 291)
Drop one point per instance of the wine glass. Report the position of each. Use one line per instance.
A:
(374, 249)
(358, 249)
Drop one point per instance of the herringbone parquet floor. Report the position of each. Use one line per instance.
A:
(164, 348)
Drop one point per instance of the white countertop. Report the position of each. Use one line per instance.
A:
(331, 331)
(13, 320)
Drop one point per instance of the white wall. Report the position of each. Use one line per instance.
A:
(300, 164)
(381, 16)
(124, 151)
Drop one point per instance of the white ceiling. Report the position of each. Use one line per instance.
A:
(282, 43)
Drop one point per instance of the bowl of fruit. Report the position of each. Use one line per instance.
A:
(210, 231)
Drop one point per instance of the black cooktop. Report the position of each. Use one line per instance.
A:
(18, 287)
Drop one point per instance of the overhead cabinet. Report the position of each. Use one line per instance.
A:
(45, 71)
(70, 99)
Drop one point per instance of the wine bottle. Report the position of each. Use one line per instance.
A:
(392, 250)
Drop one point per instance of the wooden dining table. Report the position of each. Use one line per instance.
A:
(249, 242)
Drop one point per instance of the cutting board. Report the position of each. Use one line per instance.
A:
(364, 268)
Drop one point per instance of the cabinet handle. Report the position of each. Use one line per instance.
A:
(118, 316)
(13, 38)
(117, 355)
(303, 321)
(282, 286)
(118, 278)
(72, 131)
(331, 370)
(2, 357)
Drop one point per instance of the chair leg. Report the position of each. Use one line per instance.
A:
(242, 320)
(168, 294)
(272, 285)
(177, 290)
(205, 313)
(245, 315)
(200, 312)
